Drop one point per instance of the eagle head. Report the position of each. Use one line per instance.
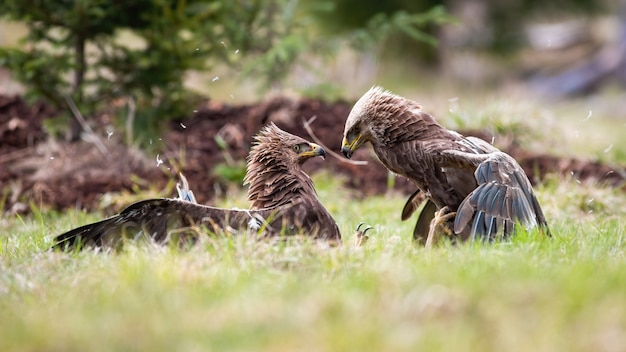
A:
(367, 120)
(273, 145)
(274, 165)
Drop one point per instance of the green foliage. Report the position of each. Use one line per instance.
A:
(325, 91)
(504, 20)
(383, 26)
(231, 172)
(105, 53)
(404, 28)
(72, 50)
(296, 36)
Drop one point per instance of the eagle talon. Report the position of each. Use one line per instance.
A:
(360, 237)
(441, 226)
(444, 215)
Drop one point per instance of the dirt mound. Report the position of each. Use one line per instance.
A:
(36, 169)
(21, 123)
(20, 129)
(199, 137)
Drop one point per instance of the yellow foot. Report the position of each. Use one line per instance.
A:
(359, 236)
(441, 225)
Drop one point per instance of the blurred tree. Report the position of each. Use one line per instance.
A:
(103, 53)
(508, 17)
(71, 51)
(504, 19)
(405, 27)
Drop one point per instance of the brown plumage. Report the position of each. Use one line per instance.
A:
(284, 202)
(473, 190)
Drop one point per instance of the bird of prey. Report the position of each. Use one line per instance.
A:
(284, 202)
(472, 189)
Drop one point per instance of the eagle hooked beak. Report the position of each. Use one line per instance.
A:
(347, 148)
(318, 151)
(315, 150)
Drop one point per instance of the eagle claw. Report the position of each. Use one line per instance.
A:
(360, 236)
(442, 225)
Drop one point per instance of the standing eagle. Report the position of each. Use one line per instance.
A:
(284, 202)
(473, 190)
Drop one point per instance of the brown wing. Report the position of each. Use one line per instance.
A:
(164, 220)
(504, 196)
(415, 200)
(154, 219)
(422, 226)
(311, 218)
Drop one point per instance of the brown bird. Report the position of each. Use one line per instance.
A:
(284, 202)
(473, 190)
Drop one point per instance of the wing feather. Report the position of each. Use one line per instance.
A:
(492, 228)
(504, 196)
(479, 224)
(157, 219)
(422, 226)
(414, 201)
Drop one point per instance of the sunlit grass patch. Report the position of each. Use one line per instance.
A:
(237, 293)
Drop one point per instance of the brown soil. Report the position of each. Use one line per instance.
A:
(44, 171)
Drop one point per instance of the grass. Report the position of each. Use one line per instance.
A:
(530, 294)
(236, 294)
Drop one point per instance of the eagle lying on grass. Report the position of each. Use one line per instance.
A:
(284, 202)
(473, 190)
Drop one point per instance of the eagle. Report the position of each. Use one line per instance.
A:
(473, 190)
(283, 202)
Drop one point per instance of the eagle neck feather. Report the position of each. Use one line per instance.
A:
(399, 120)
(275, 182)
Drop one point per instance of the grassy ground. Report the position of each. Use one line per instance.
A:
(531, 294)
(563, 294)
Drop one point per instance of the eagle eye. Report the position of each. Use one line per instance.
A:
(296, 148)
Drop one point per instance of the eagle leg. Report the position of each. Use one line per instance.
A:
(360, 236)
(441, 225)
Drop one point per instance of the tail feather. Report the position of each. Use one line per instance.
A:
(87, 235)
(156, 220)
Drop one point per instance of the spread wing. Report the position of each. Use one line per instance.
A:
(283, 199)
(158, 220)
(504, 196)
(172, 220)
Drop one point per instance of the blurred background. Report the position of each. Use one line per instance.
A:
(530, 73)
(166, 51)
